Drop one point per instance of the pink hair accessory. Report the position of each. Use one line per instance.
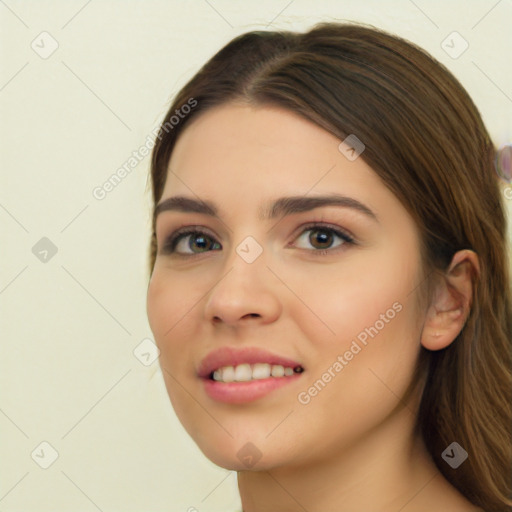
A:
(503, 163)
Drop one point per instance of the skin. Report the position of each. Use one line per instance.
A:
(352, 446)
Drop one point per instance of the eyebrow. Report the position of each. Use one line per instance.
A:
(279, 208)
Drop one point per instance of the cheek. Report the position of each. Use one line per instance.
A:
(338, 303)
(169, 304)
(158, 304)
(168, 307)
(371, 307)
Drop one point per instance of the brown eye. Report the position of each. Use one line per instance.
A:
(191, 242)
(320, 237)
(199, 243)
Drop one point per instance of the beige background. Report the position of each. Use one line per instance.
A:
(70, 324)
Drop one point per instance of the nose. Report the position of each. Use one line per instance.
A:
(245, 295)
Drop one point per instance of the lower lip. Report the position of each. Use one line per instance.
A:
(243, 392)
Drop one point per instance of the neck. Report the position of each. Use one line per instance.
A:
(383, 471)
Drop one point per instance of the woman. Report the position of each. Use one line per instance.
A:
(329, 285)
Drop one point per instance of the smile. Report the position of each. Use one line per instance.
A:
(247, 372)
(246, 391)
(239, 375)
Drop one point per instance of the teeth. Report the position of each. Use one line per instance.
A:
(228, 374)
(243, 373)
(277, 370)
(261, 371)
(246, 372)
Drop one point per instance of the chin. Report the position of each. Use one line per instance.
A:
(248, 461)
(238, 453)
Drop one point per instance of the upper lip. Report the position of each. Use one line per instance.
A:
(229, 356)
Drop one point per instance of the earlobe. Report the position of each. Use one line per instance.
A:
(451, 303)
(442, 327)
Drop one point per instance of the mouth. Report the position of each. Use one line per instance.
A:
(248, 372)
(244, 375)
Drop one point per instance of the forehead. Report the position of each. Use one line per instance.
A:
(239, 147)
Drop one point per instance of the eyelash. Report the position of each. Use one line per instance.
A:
(172, 241)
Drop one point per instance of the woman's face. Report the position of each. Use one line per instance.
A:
(310, 263)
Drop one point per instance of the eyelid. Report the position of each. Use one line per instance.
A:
(172, 240)
(342, 232)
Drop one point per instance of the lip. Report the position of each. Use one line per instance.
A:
(228, 356)
(243, 392)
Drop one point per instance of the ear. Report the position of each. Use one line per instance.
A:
(451, 301)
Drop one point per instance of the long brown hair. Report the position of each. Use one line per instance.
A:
(426, 140)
